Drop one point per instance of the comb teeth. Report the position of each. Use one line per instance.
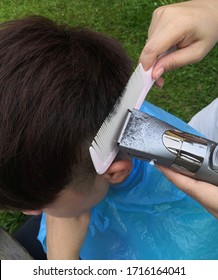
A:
(103, 149)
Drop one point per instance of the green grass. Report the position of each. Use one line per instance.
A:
(186, 90)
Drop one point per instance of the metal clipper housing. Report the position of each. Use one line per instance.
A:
(146, 137)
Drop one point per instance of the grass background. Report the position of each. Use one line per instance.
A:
(186, 90)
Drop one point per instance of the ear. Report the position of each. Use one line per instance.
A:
(32, 212)
(118, 171)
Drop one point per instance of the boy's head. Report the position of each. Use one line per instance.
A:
(57, 85)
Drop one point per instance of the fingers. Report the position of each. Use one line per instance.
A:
(178, 58)
(191, 53)
(160, 43)
(206, 194)
(185, 183)
(149, 55)
(177, 25)
(159, 82)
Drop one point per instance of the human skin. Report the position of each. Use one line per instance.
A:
(195, 34)
(191, 26)
(206, 194)
(66, 230)
(68, 216)
(65, 236)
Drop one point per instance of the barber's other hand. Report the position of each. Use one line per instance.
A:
(191, 26)
(206, 194)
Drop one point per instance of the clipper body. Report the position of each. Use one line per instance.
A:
(146, 137)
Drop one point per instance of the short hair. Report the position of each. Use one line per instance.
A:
(57, 85)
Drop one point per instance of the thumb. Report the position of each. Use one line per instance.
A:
(178, 58)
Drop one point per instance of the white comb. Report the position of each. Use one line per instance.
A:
(103, 149)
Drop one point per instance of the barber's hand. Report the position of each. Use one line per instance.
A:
(191, 26)
(206, 194)
(65, 236)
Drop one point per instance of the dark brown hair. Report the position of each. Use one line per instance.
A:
(57, 85)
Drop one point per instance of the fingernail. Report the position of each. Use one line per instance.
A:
(159, 83)
(159, 73)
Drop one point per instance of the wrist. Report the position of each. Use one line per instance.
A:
(211, 10)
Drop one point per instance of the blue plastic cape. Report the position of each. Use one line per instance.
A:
(147, 217)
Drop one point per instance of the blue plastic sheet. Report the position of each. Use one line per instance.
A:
(147, 217)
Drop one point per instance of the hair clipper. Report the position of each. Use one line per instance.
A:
(148, 138)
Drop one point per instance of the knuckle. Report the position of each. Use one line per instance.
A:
(199, 54)
(149, 49)
(160, 11)
(172, 64)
